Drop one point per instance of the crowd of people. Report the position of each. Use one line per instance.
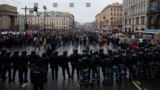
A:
(140, 59)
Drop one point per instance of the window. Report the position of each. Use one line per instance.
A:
(137, 20)
(129, 21)
(111, 9)
(142, 20)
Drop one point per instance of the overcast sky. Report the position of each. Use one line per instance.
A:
(81, 13)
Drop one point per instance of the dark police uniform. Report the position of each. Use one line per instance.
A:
(23, 67)
(54, 64)
(15, 59)
(75, 62)
(64, 59)
(38, 75)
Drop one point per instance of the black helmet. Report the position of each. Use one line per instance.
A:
(4, 51)
(64, 52)
(56, 53)
(24, 52)
(96, 52)
(8, 54)
(16, 52)
(44, 54)
(33, 52)
(101, 50)
(75, 50)
(85, 51)
(110, 51)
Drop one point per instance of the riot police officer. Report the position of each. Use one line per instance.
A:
(75, 62)
(33, 57)
(14, 60)
(45, 61)
(64, 59)
(38, 75)
(95, 68)
(84, 68)
(117, 68)
(54, 64)
(124, 58)
(133, 66)
(8, 66)
(3, 53)
(106, 65)
(23, 67)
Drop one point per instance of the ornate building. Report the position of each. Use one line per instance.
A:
(8, 16)
(53, 20)
(110, 17)
(153, 14)
(134, 15)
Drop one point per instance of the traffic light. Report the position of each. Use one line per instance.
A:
(35, 9)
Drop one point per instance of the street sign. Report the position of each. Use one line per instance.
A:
(31, 12)
(21, 27)
(35, 4)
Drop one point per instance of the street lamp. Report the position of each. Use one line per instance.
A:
(45, 8)
(125, 21)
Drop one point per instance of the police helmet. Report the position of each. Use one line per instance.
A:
(75, 50)
(101, 50)
(64, 52)
(33, 52)
(24, 52)
(16, 52)
(4, 51)
(56, 53)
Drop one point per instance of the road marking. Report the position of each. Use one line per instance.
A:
(138, 82)
(25, 84)
(78, 84)
(136, 85)
(79, 48)
(70, 51)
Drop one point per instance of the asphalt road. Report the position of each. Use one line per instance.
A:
(70, 84)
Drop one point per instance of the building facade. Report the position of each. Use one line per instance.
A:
(153, 14)
(110, 17)
(98, 21)
(134, 15)
(8, 16)
(53, 20)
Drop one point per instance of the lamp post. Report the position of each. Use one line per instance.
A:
(45, 8)
(125, 14)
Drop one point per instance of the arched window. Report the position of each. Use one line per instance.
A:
(151, 22)
(158, 22)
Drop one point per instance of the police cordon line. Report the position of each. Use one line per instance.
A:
(143, 63)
